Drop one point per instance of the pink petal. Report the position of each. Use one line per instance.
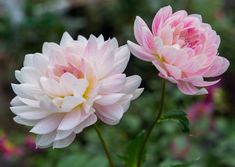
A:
(139, 24)
(219, 66)
(139, 52)
(189, 89)
(148, 40)
(166, 35)
(163, 14)
(174, 71)
(160, 68)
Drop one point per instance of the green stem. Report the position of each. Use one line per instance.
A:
(108, 155)
(142, 148)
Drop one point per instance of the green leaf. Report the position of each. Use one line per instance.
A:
(187, 164)
(83, 160)
(131, 153)
(176, 163)
(177, 115)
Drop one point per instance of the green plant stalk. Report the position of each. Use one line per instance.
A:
(142, 148)
(108, 155)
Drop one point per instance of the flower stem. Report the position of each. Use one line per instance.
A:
(108, 155)
(142, 148)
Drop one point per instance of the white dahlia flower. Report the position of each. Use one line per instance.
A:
(66, 87)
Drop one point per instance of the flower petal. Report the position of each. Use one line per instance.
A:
(189, 89)
(139, 52)
(160, 17)
(47, 125)
(109, 114)
(219, 66)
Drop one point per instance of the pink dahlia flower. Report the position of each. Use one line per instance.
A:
(182, 48)
(66, 87)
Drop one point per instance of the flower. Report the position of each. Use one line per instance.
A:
(182, 48)
(8, 149)
(199, 110)
(66, 87)
(29, 142)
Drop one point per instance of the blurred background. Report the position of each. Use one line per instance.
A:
(26, 24)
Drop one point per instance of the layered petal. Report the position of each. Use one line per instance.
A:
(67, 87)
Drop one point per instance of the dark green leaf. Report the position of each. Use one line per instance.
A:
(187, 164)
(179, 116)
(83, 160)
(131, 153)
(176, 163)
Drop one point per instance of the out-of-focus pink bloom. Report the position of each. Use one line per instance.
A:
(8, 149)
(30, 144)
(203, 108)
(66, 87)
(182, 48)
(200, 110)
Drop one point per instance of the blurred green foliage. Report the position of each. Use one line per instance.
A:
(46, 20)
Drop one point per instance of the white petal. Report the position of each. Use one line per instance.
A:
(63, 134)
(91, 47)
(71, 120)
(125, 102)
(64, 142)
(32, 103)
(66, 38)
(71, 102)
(82, 39)
(26, 122)
(43, 141)
(132, 83)
(67, 81)
(18, 76)
(20, 109)
(52, 87)
(110, 114)
(113, 83)
(30, 75)
(122, 57)
(40, 62)
(28, 60)
(16, 101)
(47, 125)
(34, 115)
(109, 99)
(87, 122)
(28, 91)
(47, 105)
(80, 87)
(137, 93)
